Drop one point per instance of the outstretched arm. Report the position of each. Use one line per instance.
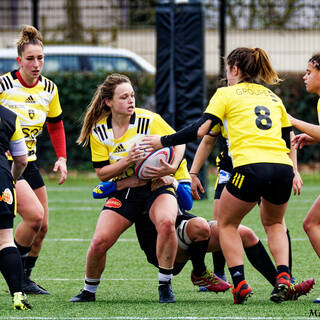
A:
(202, 154)
(191, 133)
(310, 129)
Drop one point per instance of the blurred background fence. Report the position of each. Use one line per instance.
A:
(288, 30)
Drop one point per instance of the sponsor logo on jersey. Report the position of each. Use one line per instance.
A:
(120, 148)
(113, 203)
(7, 196)
(31, 113)
(30, 99)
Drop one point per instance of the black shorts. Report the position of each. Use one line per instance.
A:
(147, 237)
(272, 181)
(133, 202)
(7, 200)
(32, 175)
(222, 180)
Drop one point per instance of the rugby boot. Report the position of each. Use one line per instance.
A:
(84, 296)
(241, 293)
(20, 301)
(281, 288)
(166, 294)
(210, 281)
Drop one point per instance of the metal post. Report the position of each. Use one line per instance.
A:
(222, 36)
(35, 13)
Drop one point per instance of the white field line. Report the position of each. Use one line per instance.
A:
(156, 318)
(130, 240)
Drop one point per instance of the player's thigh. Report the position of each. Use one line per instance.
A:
(272, 213)
(109, 227)
(164, 208)
(313, 216)
(233, 209)
(28, 204)
(42, 195)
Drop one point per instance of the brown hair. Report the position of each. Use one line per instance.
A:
(29, 35)
(97, 108)
(315, 60)
(254, 64)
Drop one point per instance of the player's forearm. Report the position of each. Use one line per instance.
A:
(202, 153)
(308, 128)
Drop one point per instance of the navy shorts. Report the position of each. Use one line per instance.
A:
(7, 200)
(132, 202)
(271, 181)
(32, 175)
(147, 237)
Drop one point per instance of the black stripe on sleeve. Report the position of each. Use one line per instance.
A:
(100, 164)
(189, 133)
(55, 119)
(286, 136)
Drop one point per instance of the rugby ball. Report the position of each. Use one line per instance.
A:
(152, 159)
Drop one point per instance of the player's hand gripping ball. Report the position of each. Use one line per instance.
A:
(152, 159)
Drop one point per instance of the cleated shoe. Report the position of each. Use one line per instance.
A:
(166, 294)
(30, 287)
(210, 281)
(299, 289)
(84, 296)
(281, 288)
(241, 293)
(20, 302)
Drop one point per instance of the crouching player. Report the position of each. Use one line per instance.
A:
(196, 237)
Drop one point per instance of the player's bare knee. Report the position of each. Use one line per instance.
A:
(248, 236)
(99, 246)
(198, 229)
(307, 225)
(166, 228)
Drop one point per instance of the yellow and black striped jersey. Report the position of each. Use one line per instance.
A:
(32, 105)
(106, 149)
(182, 174)
(253, 117)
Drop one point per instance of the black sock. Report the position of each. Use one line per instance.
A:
(259, 258)
(237, 274)
(11, 268)
(290, 252)
(28, 266)
(283, 268)
(197, 251)
(23, 252)
(218, 263)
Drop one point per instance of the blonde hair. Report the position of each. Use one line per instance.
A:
(29, 35)
(254, 64)
(97, 108)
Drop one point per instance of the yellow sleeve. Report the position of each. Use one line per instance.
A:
(217, 104)
(54, 106)
(18, 134)
(99, 151)
(160, 127)
(215, 130)
(182, 173)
